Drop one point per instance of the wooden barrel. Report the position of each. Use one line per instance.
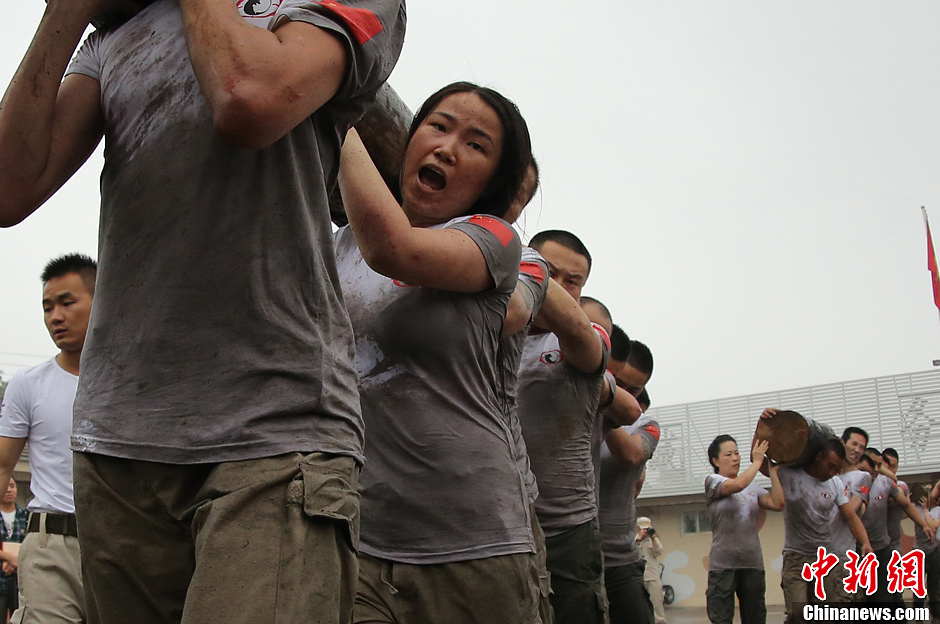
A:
(794, 438)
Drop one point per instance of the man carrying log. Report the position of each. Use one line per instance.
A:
(811, 496)
(217, 422)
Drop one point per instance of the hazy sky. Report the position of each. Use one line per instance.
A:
(747, 175)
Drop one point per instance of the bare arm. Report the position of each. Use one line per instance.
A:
(628, 448)
(905, 503)
(735, 485)
(932, 522)
(623, 409)
(10, 451)
(260, 84)
(47, 129)
(579, 341)
(445, 259)
(883, 469)
(774, 498)
(519, 312)
(856, 526)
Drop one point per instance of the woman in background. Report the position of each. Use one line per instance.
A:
(735, 505)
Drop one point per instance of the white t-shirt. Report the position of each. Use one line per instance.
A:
(38, 406)
(8, 518)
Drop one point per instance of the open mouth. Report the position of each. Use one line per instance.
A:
(432, 177)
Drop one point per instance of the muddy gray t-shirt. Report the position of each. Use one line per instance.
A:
(617, 500)
(734, 519)
(876, 514)
(533, 279)
(218, 331)
(920, 538)
(441, 482)
(810, 505)
(895, 515)
(857, 483)
(558, 409)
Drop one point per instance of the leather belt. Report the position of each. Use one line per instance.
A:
(56, 524)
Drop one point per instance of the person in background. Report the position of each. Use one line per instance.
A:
(896, 512)
(857, 483)
(623, 457)
(650, 548)
(37, 408)
(811, 496)
(736, 507)
(562, 388)
(12, 531)
(875, 519)
(927, 504)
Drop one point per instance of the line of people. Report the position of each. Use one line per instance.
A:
(494, 394)
(408, 420)
(847, 497)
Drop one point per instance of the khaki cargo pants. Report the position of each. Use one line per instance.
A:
(50, 581)
(264, 541)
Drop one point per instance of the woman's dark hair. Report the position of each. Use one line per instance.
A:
(714, 449)
(516, 154)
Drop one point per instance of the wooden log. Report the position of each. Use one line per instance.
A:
(384, 132)
(794, 439)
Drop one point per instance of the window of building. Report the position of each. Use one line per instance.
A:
(696, 522)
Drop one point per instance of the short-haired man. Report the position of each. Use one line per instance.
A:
(624, 455)
(561, 387)
(219, 365)
(883, 491)
(857, 483)
(896, 512)
(524, 306)
(637, 370)
(812, 496)
(37, 408)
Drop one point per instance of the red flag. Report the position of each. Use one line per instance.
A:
(932, 263)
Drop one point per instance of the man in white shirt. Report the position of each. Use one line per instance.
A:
(37, 408)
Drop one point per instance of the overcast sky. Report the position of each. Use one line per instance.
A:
(747, 175)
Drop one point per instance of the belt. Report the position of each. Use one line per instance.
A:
(56, 524)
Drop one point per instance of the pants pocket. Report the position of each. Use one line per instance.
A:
(329, 489)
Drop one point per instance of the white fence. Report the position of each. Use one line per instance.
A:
(901, 411)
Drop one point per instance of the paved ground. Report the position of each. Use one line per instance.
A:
(687, 615)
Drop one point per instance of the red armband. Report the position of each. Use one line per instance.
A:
(603, 334)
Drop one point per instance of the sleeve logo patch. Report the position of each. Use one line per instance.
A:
(653, 430)
(551, 357)
(362, 23)
(495, 227)
(533, 270)
(258, 8)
